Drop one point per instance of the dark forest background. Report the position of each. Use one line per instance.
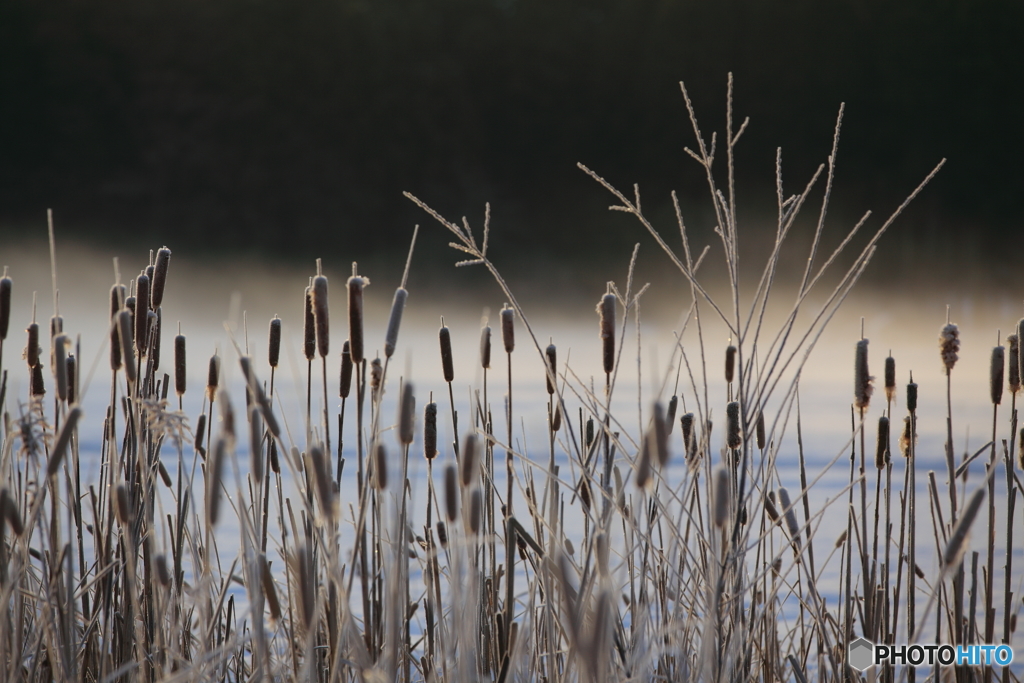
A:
(271, 126)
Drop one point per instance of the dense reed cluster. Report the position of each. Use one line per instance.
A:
(622, 550)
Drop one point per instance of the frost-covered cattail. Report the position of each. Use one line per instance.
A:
(733, 430)
(995, 375)
(1014, 343)
(405, 415)
(124, 322)
(470, 459)
(670, 417)
(550, 352)
(321, 313)
(451, 493)
(430, 431)
(689, 439)
(213, 377)
(720, 496)
(163, 260)
(957, 543)
(32, 348)
(395, 321)
(606, 309)
(882, 443)
(730, 363)
(862, 387)
(142, 316)
(949, 345)
(890, 378)
(274, 346)
(256, 444)
(60, 365)
(444, 336)
(485, 347)
(345, 385)
(179, 365)
(356, 284)
(508, 330)
(308, 325)
(6, 286)
(660, 427)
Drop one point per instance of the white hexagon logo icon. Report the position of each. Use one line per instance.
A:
(860, 654)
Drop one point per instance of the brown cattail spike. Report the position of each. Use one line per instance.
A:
(660, 435)
(155, 322)
(406, 410)
(163, 260)
(733, 429)
(213, 377)
(163, 575)
(72, 370)
(485, 347)
(445, 338)
(321, 313)
(269, 589)
(215, 466)
(862, 388)
(643, 467)
(1020, 349)
(906, 438)
(995, 375)
(949, 345)
(552, 368)
(430, 431)
(730, 363)
(882, 444)
(117, 294)
(475, 511)
(6, 285)
(911, 395)
(274, 347)
(356, 284)
(142, 316)
(1020, 449)
(508, 330)
(60, 365)
(395, 321)
(670, 417)
(1014, 366)
(376, 374)
(124, 514)
(380, 467)
(345, 384)
(227, 415)
(689, 440)
(556, 417)
(890, 378)
(324, 483)
(179, 365)
(38, 387)
(200, 432)
(759, 431)
(720, 496)
(32, 349)
(308, 326)
(124, 321)
(606, 309)
(470, 459)
(451, 493)
(790, 516)
(256, 444)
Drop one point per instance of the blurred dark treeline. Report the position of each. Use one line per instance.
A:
(272, 125)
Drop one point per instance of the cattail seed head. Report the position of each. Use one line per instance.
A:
(308, 326)
(406, 411)
(395, 321)
(124, 514)
(643, 467)
(269, 589)
(720, 496)
(321, 314)
(214, 471)
(949, 345)
(60, 445)
(995, 375)
(6, 285)
(307, 591)
(660, 427)
(862, 388)
(769, 507)
(356, 284)
(841, 539)
(759, 431)
(324, 483)
(275, 463)
(380, 466)
(912, 396)
(38, 387)
(470, 459)
(256, 444)
(590, 431)
(227, 415)
(733, 431)
(890, 378)
(32, 349)
(117, 293)
(1020, 349)
(606, 309)
(485, 347)
(475, 511)
(200, 431)
(730, 363)
(882, 443)
(345, 385)
(60, 365)
(1014, 366)
(445, 337)
(552, 368)
(142, 316)
(508, 330)
(155, 322)
(430, 431)
(72, 369)
(556, 417)
(958, 538)
(906, 439)
(163, 575)
(670, 417)
(179, 365)
(376, 374)
(213, 377)
(274, 347)
(163, 260)
(442, 534)
(689, 439)
(451, 493)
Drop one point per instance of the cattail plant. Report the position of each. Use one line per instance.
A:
(32, 348)
(6, 287)
(356, 284)
(660, 426)
(733, 429)
(142, 316)
(406, 408)
(308, 326)
(552, 368)
(124, 322)
(996, 374)
(689, 437)
(451, 493)
(606, 309)
(730, 363)
(71, 367)
(862, 388)
(430, 431)
(882, 443)
(179, 366)
(163, 260)
(949, 345)
(380, 467)
(485, 347)
(720, 497)
(117, 295)
(60, 367)
(890, 379)
(1014, 366)
(395, 321)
